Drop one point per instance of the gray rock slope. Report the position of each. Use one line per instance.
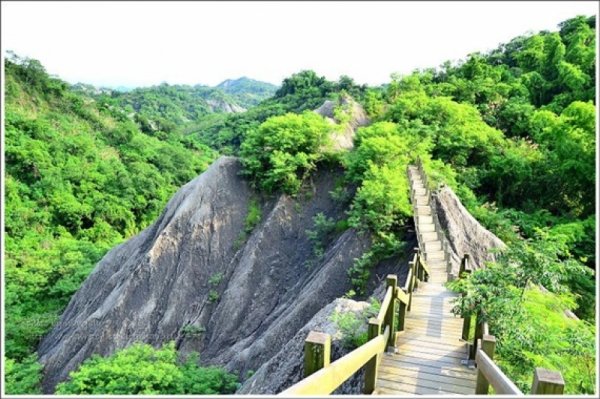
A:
(190, 271)
(344, 140)
(286, 368)
(464, 232)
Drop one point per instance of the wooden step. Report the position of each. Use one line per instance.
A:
(423, 210)
(461, 372)
(432, 245)
(424, 387)
(434, 255)
(424, 219)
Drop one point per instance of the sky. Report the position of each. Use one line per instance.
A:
(146, 43)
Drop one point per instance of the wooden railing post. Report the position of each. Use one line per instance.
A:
(478, 335)
(373, 364)
(547, 382)
(317, 352)
(464, 265)
(466, 329)
(416, 256)
(411, 283)
(401, 315)
(488, 345)
(464, 268)
(390, 315)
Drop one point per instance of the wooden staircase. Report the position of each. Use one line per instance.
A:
(429, 355)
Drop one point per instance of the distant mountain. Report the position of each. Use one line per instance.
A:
(248, 92)
(167, 107)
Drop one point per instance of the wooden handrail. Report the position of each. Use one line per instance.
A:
(323, 378)
(326, 380)
(406, 286)
(424, 265)
(402, 296)
(492, 373)
(387, 299)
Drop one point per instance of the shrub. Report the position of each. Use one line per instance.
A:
(23, 377)
(284, 150)
(141, 369)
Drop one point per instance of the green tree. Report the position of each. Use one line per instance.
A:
(284, 150)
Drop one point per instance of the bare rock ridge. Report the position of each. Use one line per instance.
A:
(162, 282)
(465, 234)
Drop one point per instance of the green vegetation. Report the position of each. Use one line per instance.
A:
(300, 92)
(253, 217)
(79, 180)
(163, 109)
(193, 331)
(512, 132)
(215, 279)
(284, 150)
(213, 296)
(530, 324)
(353, 325)
(318, 236)
(140, 369)
(24, 376)
(247, 92)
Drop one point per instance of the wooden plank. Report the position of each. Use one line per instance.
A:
(432, 332)
(452, 351)
(390, 385)
(389, 392)
(426, 383)
(420, 336)
(445, 359)
(424, 341)
(435, 319)
(452, 363)
(409, 364)
(415, 373)
(423, 309)
(432, 324)
(420, 312)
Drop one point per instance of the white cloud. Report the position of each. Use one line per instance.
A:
(135, 43)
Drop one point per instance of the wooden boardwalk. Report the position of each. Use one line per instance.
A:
(427, 357)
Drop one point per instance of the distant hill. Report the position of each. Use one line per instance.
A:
(167, 107)
(248, 92)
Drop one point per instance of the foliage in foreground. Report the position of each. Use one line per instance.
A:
(141, 369)
(530, 324)
(24, 376)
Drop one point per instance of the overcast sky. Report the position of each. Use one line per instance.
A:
(140, 44)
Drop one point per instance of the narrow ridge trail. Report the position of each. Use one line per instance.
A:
(428, 354)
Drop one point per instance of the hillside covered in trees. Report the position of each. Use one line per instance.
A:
(511, 131)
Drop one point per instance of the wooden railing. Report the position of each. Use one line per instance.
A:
(323, 377)
(488, 373)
